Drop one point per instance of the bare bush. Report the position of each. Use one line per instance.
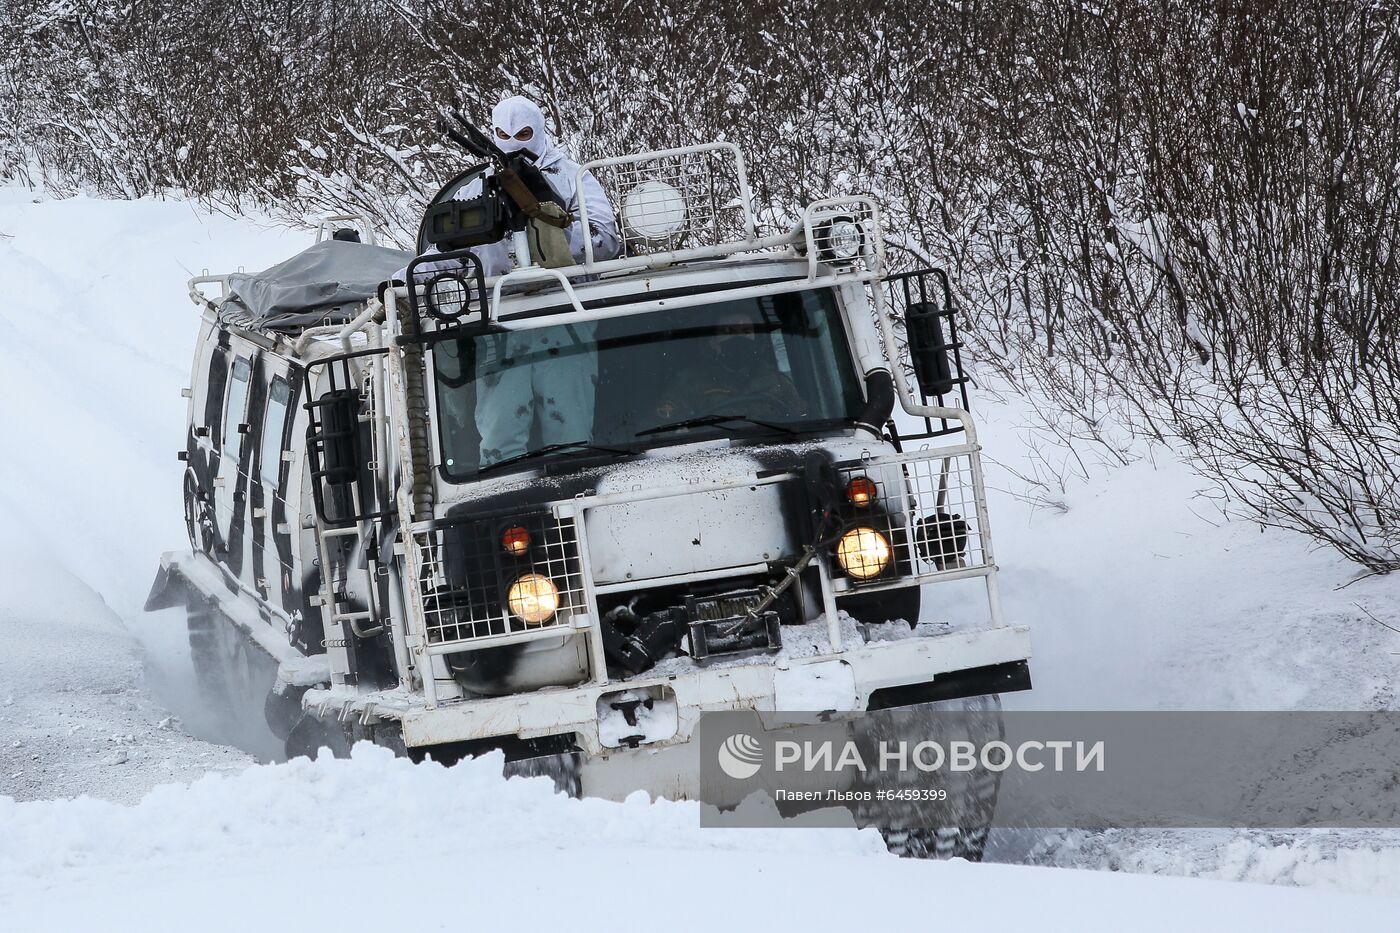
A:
(1170, 221)
(1234, 286)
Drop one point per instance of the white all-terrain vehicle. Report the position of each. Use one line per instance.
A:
(563, 511)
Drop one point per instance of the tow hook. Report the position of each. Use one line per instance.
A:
(636, 717)
(628, 709)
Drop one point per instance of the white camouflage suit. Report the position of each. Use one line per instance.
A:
(528, 379)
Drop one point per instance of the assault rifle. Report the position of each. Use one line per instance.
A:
(510, 197)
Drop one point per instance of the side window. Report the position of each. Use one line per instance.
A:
(237, 409)
(279, 395)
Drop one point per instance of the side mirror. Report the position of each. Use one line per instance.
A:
(333, 449)
(339, 440)
(923, 322)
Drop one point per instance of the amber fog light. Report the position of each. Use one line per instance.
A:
(861, 491)
(515, 541)
(534, 599)
(863, 553)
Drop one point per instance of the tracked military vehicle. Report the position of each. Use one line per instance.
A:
(550, 511)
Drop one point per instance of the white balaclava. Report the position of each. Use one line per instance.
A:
(511, 116)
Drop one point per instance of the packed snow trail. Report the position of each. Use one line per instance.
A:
(95, 342)
(75, 716)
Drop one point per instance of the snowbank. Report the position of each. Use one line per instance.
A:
(1140, 596)
(375, 843)
(96, 338)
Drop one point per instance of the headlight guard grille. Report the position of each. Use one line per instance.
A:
(465, 574)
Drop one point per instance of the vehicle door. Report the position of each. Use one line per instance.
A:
(230, 497)
(272, 559)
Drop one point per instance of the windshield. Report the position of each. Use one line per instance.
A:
(753, 367)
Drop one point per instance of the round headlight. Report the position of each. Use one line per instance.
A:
(654, 211)
(843, 241)
(863, 553)
(533, 599)
(449, 296)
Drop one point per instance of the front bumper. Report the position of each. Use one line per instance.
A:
(767, 686)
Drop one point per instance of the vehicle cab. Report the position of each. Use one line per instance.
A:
(665, 475)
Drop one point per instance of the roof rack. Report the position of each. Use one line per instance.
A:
(332, 223)
(694, 202)
(675, 207)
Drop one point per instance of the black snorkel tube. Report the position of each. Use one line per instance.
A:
(879, 402)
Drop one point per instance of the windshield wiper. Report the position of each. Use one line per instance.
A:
(706, 421)
(548, 449)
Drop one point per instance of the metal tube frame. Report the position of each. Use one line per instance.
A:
(361, 220)
(576, 509)
(911, 404)
(414, 629)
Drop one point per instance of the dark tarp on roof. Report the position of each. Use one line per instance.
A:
(323, 284)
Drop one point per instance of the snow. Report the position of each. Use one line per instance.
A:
(97, 336)
(95, 341)
(1138, 595)
(1141, 597)
(374, 842)
(75, 717)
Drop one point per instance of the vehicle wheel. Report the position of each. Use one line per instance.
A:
(884, 606)
(943, 842)
(282, 710)
(937, 843)
(311, 735)
(566, 771)
(211, 669)
(191, 511)
(957, 827)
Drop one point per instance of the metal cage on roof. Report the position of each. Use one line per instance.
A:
(676, 199)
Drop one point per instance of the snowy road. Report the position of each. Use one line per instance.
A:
(93, 353)
(76, 716)
(1137, 601)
